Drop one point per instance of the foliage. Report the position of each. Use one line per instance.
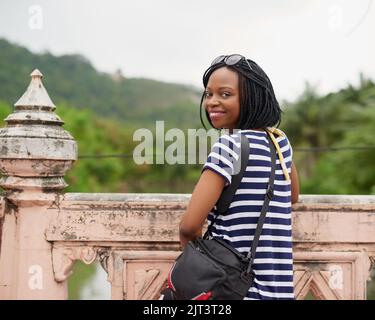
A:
(110, 95)
(102, 114)
(98, 137)
(82, 274)
(342, 121)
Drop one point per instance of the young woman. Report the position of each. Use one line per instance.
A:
(239, 95)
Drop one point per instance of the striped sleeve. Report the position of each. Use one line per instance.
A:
(291, 149)
(223, 155)
(288, 145)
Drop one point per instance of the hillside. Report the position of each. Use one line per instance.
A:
(332, 134)
(71, 79)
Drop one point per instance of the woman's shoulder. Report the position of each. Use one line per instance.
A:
(277, 132)
(231, 140)
(279, 135)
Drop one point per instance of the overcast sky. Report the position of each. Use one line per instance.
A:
(321, 41)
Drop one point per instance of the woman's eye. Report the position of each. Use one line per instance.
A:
(224, 94)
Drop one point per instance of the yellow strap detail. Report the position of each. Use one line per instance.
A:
(281, 158)
(275, 131)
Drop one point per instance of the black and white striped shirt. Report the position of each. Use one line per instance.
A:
(273, 265)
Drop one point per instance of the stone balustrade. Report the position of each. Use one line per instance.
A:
(135, 236)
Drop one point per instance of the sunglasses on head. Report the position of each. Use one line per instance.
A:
(230, 60)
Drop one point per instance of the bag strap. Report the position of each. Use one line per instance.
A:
(227, 195)
(267, 199)
(232, 189)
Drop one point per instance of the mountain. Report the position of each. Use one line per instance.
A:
(72, 80)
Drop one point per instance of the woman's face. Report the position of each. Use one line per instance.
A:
(222, 101)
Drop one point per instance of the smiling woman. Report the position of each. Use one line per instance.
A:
(246, 88)
(239, 95)
(222, 99)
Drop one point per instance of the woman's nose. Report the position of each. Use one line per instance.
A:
(213, 102)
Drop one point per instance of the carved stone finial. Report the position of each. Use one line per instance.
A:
(35, 151)
(36, 95)
(36, 73)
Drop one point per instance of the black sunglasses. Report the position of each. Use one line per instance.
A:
(230, 60)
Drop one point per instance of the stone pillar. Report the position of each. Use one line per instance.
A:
(35, 154)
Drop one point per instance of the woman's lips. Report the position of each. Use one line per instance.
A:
(215, 115)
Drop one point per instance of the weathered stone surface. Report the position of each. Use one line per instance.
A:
(33, 145)
(139, 217)
(31, 168)
(36, 131)
(125, 218)
(36, 94)
(333, 241)
(38, 148)
(35, 154)
(34, 117)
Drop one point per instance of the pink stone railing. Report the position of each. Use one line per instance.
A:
(134, 236)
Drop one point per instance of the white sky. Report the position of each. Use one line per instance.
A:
(324, 42)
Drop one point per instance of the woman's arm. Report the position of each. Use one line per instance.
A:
(294, 183)
(204, 197)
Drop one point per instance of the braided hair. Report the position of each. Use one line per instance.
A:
(259, 108)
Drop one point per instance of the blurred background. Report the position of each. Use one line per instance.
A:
(113, 67)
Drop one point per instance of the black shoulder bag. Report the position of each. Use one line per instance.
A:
(212, 268)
